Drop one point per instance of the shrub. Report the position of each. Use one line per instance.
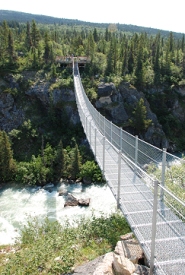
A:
(92, 171)
(50, 248)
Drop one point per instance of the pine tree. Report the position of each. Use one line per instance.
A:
(4, 30)
(35, 35)
(112, 56)
(125, 62)
(46, 48)
(139, 73)
(139, 119)
(157, 67)
(90, 48)
(28, 41)
(10, 49)
(7, 164)
(182, 44)
(59, 161)
(95, 35)
(75, 162)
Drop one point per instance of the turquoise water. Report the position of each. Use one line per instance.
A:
(17, 204)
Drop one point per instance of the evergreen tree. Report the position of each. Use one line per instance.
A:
(59, 161)
(107, 36)
(139, 119)
(35, 35)
(139, 72)
(125, 62)
(75, 162)
(157, 67)
(46, 48)
(182, 44)
(7, 164)
(95, 35)
(112, 56)
(4, 31)
(90, 47)
(11, 50)
(131, 59)
(28, 41)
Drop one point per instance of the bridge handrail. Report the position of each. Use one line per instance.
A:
(141, 153)
(128, 173)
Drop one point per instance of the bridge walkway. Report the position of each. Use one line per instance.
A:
(160, 232)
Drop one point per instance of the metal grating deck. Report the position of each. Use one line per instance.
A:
(136, 198)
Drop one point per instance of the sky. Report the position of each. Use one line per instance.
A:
(160, 14)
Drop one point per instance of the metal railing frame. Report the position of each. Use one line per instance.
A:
(114, 135)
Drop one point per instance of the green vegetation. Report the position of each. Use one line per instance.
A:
(150, 61)
(7, 163)
(174, 182)
(50, 165)
(139, 120)
(50, 248)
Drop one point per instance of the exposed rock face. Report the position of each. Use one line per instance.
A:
(178, 109)
(106, 89)
(119, 105)
(41, 91)
(61, 99)
(11, 116)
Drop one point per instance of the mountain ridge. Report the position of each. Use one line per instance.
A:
(23, 17)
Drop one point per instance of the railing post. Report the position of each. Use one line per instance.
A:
(111, 131)
(86, 125)
(119, 179)
(90, 131)
(136, 150)
(104, 126)
(163, 174)
(154, 225)
(103, 154)
(95, 142)
(120, 139)
(99, 121)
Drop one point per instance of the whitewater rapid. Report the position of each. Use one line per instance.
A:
(18, 204)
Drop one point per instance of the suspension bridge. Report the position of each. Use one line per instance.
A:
(155, 214)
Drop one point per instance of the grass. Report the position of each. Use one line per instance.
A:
(51, 248)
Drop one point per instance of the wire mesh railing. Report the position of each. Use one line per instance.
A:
(147, 182)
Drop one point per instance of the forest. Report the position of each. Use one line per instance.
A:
(150, 60)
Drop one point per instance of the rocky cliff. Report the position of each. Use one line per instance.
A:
(14, 102)
(118, 105)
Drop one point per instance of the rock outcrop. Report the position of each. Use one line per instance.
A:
(118, 105)
(11, 115)
(61, 99)
(125, 260)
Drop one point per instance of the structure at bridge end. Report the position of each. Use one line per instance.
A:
(67, 61)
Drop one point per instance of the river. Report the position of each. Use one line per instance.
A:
(17, 204)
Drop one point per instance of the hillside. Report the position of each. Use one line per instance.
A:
(23, 17)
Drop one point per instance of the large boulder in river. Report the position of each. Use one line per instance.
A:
(84, 202)
(70, 200)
